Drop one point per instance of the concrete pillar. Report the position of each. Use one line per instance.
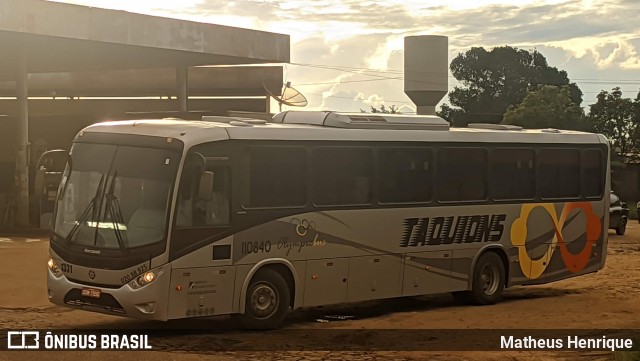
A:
(22, 143)
(426, 109)
(182, 82)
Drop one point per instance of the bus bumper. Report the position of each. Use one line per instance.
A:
(148, 302)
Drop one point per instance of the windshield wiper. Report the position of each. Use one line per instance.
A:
(91, 209)
(115, 213)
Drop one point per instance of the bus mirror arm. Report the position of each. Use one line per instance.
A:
(205, 189)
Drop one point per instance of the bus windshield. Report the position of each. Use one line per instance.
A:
(115, 197)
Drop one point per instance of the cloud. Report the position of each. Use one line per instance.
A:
(623, 54)
(345, 79)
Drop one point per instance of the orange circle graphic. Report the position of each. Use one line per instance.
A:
(577, 262)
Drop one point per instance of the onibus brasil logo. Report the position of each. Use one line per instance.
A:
(33, 340)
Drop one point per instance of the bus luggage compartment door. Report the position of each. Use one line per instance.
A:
(326, 281)
(426, 273)
(374, 277)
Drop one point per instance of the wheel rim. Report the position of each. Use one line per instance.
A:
(490, 279)
(263, 301)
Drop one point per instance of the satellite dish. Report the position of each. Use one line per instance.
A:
(288, 96)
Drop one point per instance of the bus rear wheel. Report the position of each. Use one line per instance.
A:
(267, 301)
(488, 282)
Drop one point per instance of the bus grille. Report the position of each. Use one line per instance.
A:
(106, 301)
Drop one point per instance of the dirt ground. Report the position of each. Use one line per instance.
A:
(604, 300)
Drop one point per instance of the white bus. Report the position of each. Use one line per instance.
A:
(168, 219)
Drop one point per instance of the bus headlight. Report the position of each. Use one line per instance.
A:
(143, 280)
(53, 267)
(148, 277)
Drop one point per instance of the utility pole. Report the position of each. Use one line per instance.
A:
(22, 141)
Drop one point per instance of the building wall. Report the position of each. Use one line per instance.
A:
(626, 183)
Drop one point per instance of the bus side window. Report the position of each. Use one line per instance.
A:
(462, 174)
(404, 175)
(342, 176)
(277, 177)
(592, 173)
(559, 173)
(512, 176)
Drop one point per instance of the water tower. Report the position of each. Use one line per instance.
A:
(426, 71)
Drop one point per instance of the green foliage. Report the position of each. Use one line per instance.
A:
(497, 79)
(392, 110)
(446, 112)
(618, 119)
(547, 107)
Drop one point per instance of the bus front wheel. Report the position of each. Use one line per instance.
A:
(488, 282)
(267, 301)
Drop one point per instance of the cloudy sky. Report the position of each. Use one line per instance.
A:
(596, 41)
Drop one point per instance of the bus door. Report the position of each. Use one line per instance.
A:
(202, 273)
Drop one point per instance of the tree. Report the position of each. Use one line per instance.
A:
(547, 107)
(446, 112)
(618, 119)
(392, 110)
(492, 81)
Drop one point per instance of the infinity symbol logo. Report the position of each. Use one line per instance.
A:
(533, 269)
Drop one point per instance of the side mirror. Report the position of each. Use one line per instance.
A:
(39, 181)
(205, 191)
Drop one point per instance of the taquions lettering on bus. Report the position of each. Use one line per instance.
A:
(453, 229)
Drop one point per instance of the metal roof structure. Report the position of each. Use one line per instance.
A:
(48, 37)
(58, 37)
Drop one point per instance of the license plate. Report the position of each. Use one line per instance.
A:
(91, 292)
